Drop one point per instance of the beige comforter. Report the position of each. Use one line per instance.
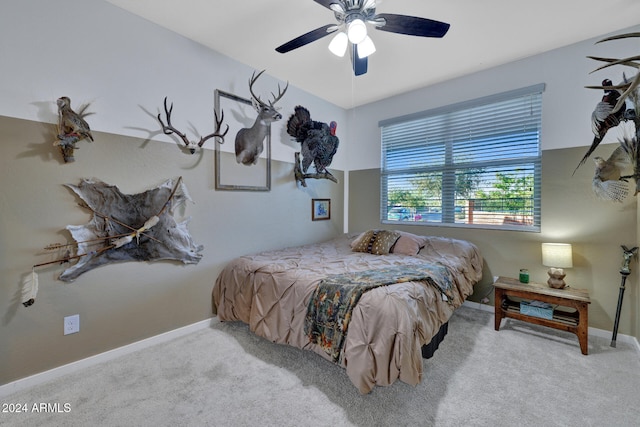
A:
(270, 291)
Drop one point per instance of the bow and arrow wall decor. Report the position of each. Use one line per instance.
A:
(620, 104)
(123, 227)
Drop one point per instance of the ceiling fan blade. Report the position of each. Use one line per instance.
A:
(326, 3)
(307, 38)
(412, 25)
(359, 64)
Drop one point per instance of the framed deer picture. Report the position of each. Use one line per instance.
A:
(235, 170)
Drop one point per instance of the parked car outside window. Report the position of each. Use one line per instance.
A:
(400, 214)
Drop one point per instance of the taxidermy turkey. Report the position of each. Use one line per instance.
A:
(318, 140)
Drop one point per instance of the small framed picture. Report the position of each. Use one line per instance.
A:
(320, 209)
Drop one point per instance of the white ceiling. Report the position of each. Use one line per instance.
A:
(483, 34)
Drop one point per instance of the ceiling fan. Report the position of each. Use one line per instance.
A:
(352, 16)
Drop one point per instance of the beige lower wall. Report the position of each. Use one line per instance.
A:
(122, 303)
(570, 213)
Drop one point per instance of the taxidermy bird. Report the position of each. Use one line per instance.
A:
(607, 183)
(632, 151)
(71, 123)
(71, 128)
(318, 140)
(602, 118)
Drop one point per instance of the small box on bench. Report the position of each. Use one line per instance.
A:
(537, 309)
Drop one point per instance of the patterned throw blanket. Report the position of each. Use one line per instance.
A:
(330, 306)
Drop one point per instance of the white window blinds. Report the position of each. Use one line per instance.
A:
(473, 164)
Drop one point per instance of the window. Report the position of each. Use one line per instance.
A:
(473, 164)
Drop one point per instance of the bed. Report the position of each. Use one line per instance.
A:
(278, 294)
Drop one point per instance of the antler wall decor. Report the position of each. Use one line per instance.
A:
(192, 146)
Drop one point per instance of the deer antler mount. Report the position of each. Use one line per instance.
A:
(250, 141)
(192, 146)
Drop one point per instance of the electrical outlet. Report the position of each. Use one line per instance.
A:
(72, 324)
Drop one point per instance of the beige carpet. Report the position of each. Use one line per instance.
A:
(523, 375)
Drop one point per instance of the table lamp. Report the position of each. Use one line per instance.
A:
(557, 256)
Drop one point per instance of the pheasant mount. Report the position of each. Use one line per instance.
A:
(619, 104)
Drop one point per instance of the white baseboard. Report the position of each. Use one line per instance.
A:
(479, 306)
(54, 373)
(633, 341)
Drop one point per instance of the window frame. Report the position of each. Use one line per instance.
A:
(448, 167)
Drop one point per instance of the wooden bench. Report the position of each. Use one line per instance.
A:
(575, 321)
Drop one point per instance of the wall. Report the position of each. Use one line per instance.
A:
(124, 66)
(570, 212)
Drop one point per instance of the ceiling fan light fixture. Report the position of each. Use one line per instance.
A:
(338, 45)
(366, 47)
(337, 7)
(357, 31)
(369, 4)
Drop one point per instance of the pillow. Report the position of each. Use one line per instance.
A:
(409, 244)
(377, 242)
(356, 241)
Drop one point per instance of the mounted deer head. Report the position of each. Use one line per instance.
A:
(250, 141)
(192, 146)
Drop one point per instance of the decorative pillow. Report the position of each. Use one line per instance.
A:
(356, 241)
(377, 242)
(409, 244)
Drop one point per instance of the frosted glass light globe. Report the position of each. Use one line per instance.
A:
(357, 31)
(338, 45)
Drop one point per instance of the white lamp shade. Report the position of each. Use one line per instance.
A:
(338, 45)
(357, 31)
(366, 47)
(557, 255)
